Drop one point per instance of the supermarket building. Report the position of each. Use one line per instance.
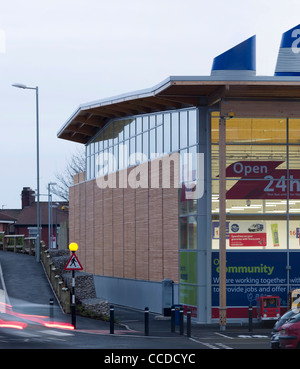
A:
(176, 172)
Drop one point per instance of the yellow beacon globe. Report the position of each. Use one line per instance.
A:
(73, 246)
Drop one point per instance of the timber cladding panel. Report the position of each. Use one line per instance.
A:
(126, 232)
(90, 226)
(98, 230)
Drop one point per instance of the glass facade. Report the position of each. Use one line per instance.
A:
(262, 178)
(137, 139)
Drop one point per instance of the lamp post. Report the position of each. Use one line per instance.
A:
(20, 85)
(50, 233)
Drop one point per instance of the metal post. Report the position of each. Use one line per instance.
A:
(51, 309)
(250, 317)
(38, 238)
(181, 321)
(37, 251)
(73, 307)
(112, 319)
(146, 321)
(172, 318)
(222, 223)
(189, 323)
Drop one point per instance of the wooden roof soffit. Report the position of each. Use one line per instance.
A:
(260, 108)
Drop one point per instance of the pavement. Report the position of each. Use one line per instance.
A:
(26, 287)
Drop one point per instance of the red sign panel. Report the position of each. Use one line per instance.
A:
(261, 180)
(247, 234)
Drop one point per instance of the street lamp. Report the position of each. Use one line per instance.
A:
(50, 233)
(20, 85)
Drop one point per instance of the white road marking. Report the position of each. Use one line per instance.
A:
(224, 335)
(213, 347)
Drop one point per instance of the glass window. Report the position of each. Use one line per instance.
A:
(122, 156)
(152, 121)
(121, 130)
(159, 119)
(188, 232)
(183, 233)
(110, 133)
(159, 140)
(188, 266)
(101, 141)
(193, 138)
(126, 153)
(126, 129)
(105, 136)
(183, 203)
(92, 166)
(116, 155)
(132, 128)
(167, 135)
(183, 129)
(92, 146)
(139, 125)
(132, 151)
(116, 126)
(193, 162)
(146, 144)
(88, 166)
(139, 144)
(145, 123)
(111, 161)
(188, 294)
(175, 131)
(251, 130)
(152, 133)
(192, 232)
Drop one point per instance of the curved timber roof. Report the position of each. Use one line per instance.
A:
(179, 92)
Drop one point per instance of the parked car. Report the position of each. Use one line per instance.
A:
(274, 343)
(289, 335)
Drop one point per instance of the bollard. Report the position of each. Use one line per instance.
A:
(250, 318)
(189, 323)
(51, 309)
(112, 319)
(146, 321)
(172, 318)
(181, 320)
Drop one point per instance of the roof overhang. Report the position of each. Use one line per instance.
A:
(175, 93)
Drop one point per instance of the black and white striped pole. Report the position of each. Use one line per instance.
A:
(73, 307)
(73, 264)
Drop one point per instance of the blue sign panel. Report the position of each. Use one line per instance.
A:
(253, 274)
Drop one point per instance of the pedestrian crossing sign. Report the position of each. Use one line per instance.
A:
(73, 263)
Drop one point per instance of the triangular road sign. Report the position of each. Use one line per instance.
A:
(73, 263)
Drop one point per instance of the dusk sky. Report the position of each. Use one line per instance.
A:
(80, 51)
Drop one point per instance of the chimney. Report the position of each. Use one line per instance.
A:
(27, 197)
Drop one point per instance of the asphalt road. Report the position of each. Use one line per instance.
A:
(29, 292)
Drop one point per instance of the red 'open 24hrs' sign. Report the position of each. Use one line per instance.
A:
(261, 180)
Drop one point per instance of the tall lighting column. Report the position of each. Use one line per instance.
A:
(20, 85)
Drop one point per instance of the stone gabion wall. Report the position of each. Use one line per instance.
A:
(54, 263)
